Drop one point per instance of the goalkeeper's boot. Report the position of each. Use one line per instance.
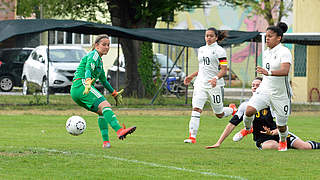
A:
(123, 132)
(106, 144)
(190, 140)
(234, 108)
(237, 137)
(282, 146)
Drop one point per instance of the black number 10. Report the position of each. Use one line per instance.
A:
(206, 61)
(216, 99)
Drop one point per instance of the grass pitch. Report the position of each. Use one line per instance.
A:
(35, 145)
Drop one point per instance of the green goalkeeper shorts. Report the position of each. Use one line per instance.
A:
(89, 101)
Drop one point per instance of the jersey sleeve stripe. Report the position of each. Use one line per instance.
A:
(223, 61)
(95, 56)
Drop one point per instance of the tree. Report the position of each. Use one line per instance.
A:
(72, 9)
(141, 14)
(271, 10)
(123, 13)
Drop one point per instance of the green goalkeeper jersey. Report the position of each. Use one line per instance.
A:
(91, 66)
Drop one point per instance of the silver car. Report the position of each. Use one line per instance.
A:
(63, 62)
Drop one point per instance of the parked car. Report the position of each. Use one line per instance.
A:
(63, 63)
(159, 58)
(11, 64)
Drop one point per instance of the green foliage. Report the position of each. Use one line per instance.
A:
(91, 9)
(38, 147)
(266, 12)
(146, 67)
(35, 90)
(71, 9)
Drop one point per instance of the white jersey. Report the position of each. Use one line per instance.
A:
(277, 86)
(210, 57)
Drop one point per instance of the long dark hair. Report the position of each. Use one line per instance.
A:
(98, 39)
(220, 34)
(279, 29)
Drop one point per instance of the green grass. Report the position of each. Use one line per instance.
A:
(64, 102)
(38, 147)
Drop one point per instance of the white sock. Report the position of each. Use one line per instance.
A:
(247, 121)
(283, 135)
(194, 123)
(227, 111)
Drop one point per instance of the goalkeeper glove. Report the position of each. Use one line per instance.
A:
(88, 85)
(117, 96)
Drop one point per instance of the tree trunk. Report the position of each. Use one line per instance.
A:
(123, 15)
(131, 51)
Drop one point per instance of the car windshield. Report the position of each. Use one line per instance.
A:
(66, 55)
(162, 60)
(14, 55)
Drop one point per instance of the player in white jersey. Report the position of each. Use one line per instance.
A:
(264, 130)
(209, 83)
(275, 90)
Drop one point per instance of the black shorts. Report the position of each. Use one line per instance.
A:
(291, 138)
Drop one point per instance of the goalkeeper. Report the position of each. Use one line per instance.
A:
(86, 95)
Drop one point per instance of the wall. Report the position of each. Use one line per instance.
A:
(223, 18)
(308, 87)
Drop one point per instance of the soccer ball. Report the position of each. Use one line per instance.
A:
(76, 125)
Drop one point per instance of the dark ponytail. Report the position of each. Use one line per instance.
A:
(280, 28)
(220, 34)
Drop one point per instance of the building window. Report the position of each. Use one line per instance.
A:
(300, 60)
(68, 38)
(113, 41)
(77, 38)
(86, 39)
(60, 37)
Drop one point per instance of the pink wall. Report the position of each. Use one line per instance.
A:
(6, 12)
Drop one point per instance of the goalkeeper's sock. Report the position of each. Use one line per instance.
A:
(314, 145)
(103, 125)
(110, 117)
(194, 124)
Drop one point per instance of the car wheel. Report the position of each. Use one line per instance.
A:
(25, 88)
(6, 83)
(45, 89)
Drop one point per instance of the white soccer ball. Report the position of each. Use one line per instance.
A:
(76, 125)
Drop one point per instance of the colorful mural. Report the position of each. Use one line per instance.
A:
(225, 18)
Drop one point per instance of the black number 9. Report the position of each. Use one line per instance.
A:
(286, 108)
(268, 66)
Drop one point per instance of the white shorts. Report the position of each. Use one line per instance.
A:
(201, 95)
(280, 106)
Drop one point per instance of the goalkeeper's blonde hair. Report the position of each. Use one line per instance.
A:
(98, 39)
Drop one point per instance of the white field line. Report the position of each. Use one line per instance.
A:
(136, 162)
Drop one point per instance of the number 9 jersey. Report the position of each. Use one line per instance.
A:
(210, 57)
(277, 86)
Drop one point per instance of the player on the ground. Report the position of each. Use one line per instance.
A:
(275, 90)
(86, 95)
(265, 133)
(209, 83)
(237, 118)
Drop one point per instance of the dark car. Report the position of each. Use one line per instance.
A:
(11, 65)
